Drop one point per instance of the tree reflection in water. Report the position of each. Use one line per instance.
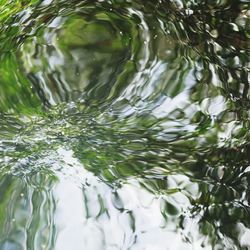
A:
(124, 125)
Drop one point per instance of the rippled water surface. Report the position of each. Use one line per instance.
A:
(124, 124)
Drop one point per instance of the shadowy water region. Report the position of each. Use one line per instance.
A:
(124, 124)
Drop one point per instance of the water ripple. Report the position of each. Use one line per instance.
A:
(124, 125)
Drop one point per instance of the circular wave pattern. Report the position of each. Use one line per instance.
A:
(124, 125)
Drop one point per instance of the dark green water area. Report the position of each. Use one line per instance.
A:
(124, 124)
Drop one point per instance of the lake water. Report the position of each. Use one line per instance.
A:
(124, 125)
